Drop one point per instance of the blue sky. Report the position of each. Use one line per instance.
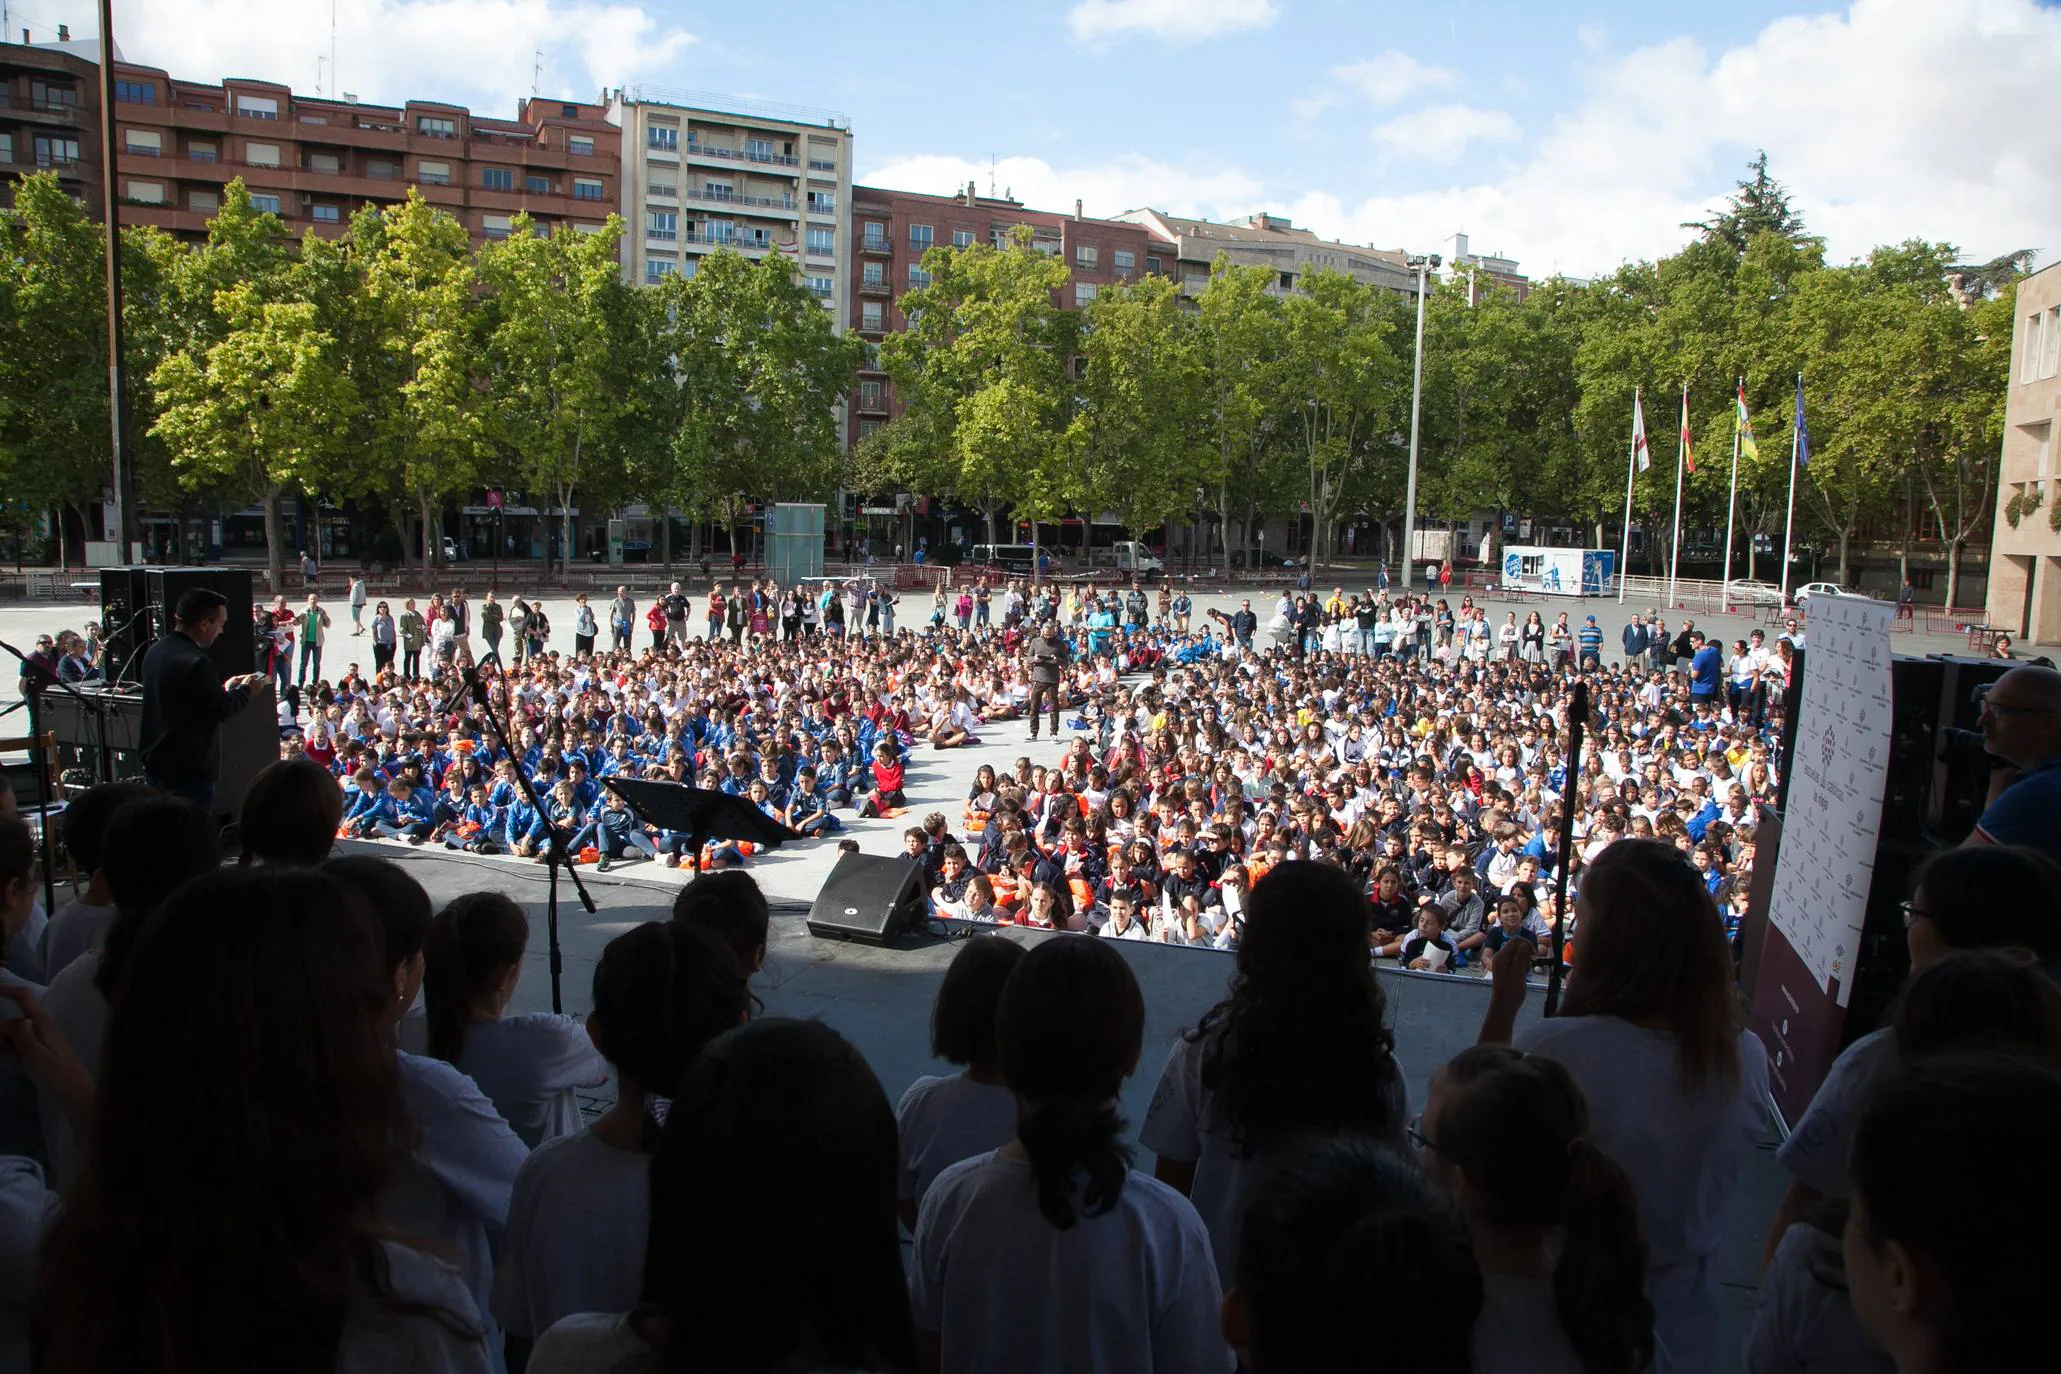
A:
(1571, 136)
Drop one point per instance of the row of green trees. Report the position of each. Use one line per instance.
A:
(400, 364)
(1276, 404)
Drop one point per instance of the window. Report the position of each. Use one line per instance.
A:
(719, 231)
(661, 224)
(149, 192)
(2040, 352)
(718, 190)
(822, 203)
(1087, 255)
(662, 138)
(582, 228)
(754, 238)
(264, 204)
(580, 145)
(2050, 357)
(433, 173)
(1288, 281)
(758, 149)
(261, 154)
(569, 111)
(1045, 247)
(917, 276)
(56, 152)
(257, 106)
(496, 179)
(870, 313)
(536, 185)
(201, 152)
(875, 237)
(657, 270)
(1083, 292)
(324, 162)
(586, 190)
(1126, 261)
(919, 238)
(867, 428)
(822, 240)
(869, 395)
(822, 288)
(822, 164)
(206, 202)
(873, 274)
(6, 147)
(662, 188)
(962, 238)
(1152, 264)
(379, 169)
(143, 142)
(135, 92)
(326, 214)
(45, 96)
(434, 126)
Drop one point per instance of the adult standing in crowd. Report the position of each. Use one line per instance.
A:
(186, 699)
(622, 619)
(357, 603)
(383, 638)
(414, 635)
(314, 625)
(1048, 655)
(491, 626)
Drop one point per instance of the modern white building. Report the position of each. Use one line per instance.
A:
(704, 172)
(1270, 241)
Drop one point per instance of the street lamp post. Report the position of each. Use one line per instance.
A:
(1424, 266)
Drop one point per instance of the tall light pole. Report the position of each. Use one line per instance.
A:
(1424, 266)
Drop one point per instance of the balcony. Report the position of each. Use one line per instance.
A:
(817, 164)
(876, 404)
(872, 243)
(699, 239)
(722, 197)
(873, 288)
(823, 209)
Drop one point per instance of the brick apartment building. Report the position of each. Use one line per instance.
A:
(311, 161)
(892, 229)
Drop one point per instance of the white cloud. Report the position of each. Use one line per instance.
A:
(1390, 77)
(1441, 133)
(477, 52)
(1178, 21)
(1894, 119)
(1105, 189)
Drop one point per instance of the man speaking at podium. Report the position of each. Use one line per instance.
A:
(2021, 724)
(185, 700)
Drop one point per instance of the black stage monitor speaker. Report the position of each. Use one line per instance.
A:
(125, 620)
(868, 899)
(232, 652)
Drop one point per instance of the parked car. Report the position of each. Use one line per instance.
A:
(1750, 591)
(1811, 589)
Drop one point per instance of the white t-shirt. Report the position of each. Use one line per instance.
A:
(593, 1343)
(77, 927)
(1131, 1290)
(1683, 1154)
(576, 1230)
(1802, 1324)
(945, 1119)
(1184, 1123)
(379, 1338)
(81, 1013)
(27, 1209)
(457, 1188)
(528, 1065)
(1815, 1153)
(25, 947)
(1519, 1329)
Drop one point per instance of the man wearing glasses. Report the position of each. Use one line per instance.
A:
(2021, 724)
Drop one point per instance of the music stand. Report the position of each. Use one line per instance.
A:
(701, 814)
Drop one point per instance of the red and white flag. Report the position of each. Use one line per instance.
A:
(1688, 455)
(1644, 459)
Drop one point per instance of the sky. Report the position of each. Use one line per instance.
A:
(1572, 137)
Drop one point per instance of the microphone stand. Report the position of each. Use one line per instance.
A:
(38, 678)
(555, 852)
(1577, 723)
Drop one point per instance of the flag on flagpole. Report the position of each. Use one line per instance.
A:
(1639, 434)
(1747, 448)
(1688, 454)
(1803, 433)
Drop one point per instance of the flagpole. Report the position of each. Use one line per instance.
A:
(1631, 468)
(1674, 552)
(1789, 523)
(1732, 500)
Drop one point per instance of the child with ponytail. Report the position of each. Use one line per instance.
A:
(1554, 1222)
(528, 1065)
(1051, 1252)
(582, 1206)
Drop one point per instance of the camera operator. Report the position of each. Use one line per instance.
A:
(2021, 724)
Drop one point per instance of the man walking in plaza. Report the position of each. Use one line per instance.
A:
(622, 619)
(1048, 655)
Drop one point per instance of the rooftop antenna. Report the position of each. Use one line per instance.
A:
(537, 75)
(991, 176)
(332, 47)
(319, 60)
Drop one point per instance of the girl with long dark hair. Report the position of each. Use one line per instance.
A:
(950, 1117)
(529, 1065)
(1051, 1252)
(1651, 1030)
(773, 1243)
(248, 1118)
(1555, 1226)
(1300, 1045)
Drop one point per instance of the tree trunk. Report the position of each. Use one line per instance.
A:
(665, 539)
(1953, 585)
(275, 536)
(1845, 547)
(988, 510)
(431, 545)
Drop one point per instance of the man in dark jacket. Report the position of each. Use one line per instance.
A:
(185, 700)
(1635, 640)
(1048, 655)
